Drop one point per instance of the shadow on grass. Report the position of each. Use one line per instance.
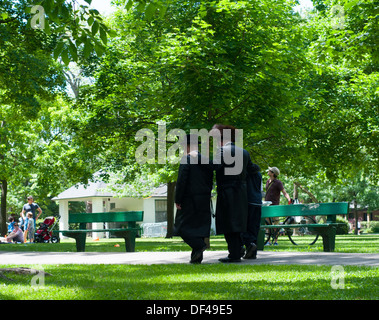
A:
(197, 282)
(345, 243)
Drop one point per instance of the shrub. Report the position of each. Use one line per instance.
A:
(342, 229)
(373, 228)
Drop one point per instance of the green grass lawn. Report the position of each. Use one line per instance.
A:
(197, 282)
(368, 243)
(194, 282)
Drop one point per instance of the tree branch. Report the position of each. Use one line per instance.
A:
(307, 192)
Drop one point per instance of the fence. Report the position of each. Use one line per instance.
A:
(152, 230)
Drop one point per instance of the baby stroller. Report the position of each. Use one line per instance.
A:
(45, 233)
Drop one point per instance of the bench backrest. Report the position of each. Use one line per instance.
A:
(312, 209)
(126, 216)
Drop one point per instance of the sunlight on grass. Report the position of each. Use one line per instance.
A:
(367, 243)
(194, 282)
(197, 282)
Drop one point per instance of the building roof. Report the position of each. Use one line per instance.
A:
(161, 191)
(93, 189)
(97, 189)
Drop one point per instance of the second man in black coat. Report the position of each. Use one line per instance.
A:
(232, 193)
(192, 199)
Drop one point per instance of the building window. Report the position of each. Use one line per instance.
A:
(160, 210)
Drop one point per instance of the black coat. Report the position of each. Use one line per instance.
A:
(254, 188)
(232, 198)
(193, 193)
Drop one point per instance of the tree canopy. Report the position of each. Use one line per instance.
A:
(304, 88)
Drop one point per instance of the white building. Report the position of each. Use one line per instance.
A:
(98, 200)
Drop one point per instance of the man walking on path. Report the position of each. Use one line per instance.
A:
(254, 198)
(273, 189)
(193, 200)
(274, 186)
(232, 200)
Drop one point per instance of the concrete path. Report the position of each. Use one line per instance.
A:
(264, 257)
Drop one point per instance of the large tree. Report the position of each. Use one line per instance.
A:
(341, 121)
(201, 63)
(34, 137)
(27, 75)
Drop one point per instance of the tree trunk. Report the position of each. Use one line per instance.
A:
(356, 216)
(20, 270)
(170, 208)
(3, 208)
(295, 191)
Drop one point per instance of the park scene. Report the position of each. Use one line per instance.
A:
(212, 151)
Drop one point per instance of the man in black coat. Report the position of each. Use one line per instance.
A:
(232, 200)
(192, 199)
(254, 197)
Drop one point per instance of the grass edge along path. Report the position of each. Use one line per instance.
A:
(194, 282)
(367, 243)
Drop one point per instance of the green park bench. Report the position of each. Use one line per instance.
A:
(326, 229)
(129, 233)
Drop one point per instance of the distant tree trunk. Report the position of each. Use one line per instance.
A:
(170, 208)
(295, 191)
(356, 216)
(3, 208)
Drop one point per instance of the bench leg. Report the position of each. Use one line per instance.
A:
(261, 239)
(328, 238)
(130, 239)
(80, 240)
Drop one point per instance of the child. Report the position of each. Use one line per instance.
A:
(10, 224)
(30, 228)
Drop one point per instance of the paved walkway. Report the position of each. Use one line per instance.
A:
(264, 257)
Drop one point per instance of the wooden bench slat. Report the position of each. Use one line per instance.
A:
(128, 216)
(313, 209)
(129, 233)
(310, 225)
(326, 230)
(98, 230)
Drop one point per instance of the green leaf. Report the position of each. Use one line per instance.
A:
(90, 21)
(94, 12)
(58, 50)
(141, 6)
(64, 56)
(162, 11)
(4, 15)
(150, 10)
(88, 47)
(99, 49)
(95, 27)
(349, 4)
(73, 51)
(129, 4)
(103, 35)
